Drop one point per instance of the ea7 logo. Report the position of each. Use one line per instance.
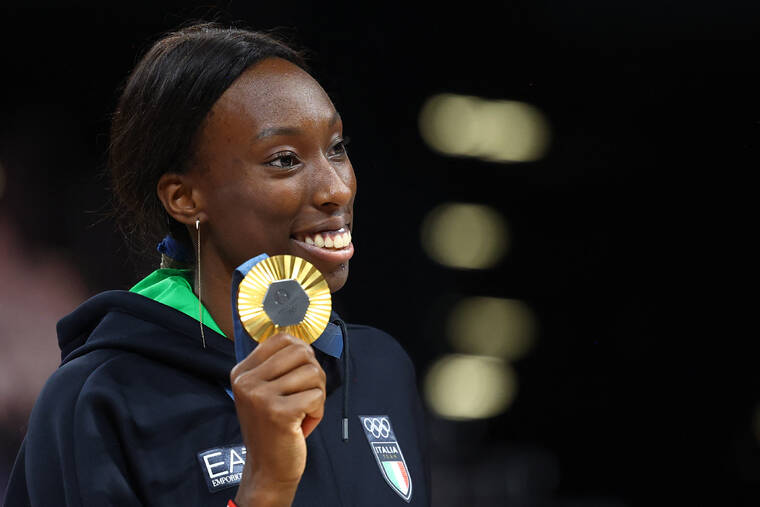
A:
(222, 467)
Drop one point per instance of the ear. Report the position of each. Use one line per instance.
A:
(180, 197)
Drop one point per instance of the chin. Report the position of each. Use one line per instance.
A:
(337, 279)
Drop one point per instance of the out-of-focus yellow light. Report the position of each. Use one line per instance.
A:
(513, 131)
(492, 327)
(467, 236)
(449, 123)
(463, 387)
(495, 130)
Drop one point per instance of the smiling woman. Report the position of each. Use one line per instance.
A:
(224, 145)
(270, 169)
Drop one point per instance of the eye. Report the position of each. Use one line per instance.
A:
(284, 160)
(339, 148)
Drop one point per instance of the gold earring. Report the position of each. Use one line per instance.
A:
(198, 272)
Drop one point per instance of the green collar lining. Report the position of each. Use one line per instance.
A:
(172, 287)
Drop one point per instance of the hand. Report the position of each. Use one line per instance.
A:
(279, 396)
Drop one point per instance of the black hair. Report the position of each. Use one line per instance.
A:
(159, 115)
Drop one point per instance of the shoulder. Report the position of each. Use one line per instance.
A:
(80, 391)
(377, 346)
(73, 375)
(94, 372)
(374, 339)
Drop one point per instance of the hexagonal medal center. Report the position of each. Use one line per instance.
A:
(286, 302)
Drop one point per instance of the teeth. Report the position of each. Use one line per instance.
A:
(328, 241)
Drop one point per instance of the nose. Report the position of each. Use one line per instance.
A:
(334, 184)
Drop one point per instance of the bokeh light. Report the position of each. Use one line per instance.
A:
(449, 123)
(466, 236)
(494, 130)
(491, 327)
(463, 387)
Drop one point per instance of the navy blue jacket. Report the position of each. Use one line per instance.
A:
(137, 414)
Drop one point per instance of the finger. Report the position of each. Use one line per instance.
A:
(263, 352)
(286, 360)
(308, 425)
(310, 402)
(304, 377)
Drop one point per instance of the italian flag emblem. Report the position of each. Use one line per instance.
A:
(388, 455)
(396, 472)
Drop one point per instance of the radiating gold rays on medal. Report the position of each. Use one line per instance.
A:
(254, 287)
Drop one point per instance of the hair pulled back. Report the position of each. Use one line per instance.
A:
(161, 110)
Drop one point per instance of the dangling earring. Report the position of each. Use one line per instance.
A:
(198, 271)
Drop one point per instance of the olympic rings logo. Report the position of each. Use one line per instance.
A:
(378, 426)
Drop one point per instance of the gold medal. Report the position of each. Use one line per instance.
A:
(287, 294)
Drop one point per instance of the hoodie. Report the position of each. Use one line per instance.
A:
(139, 413)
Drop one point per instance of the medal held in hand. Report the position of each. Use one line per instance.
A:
(287, 294)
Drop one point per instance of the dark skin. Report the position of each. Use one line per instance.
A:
(270, 169)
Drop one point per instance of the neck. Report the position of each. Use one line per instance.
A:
(215, 284)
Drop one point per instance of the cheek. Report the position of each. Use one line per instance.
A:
(254, 199)
(254, 216)
(250, 218)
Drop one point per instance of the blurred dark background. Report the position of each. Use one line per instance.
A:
(627, 238)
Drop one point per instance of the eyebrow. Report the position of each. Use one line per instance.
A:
(290, 131)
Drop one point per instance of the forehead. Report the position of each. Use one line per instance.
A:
(272, 93)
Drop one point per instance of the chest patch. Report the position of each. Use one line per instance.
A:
(222, 467)
(387, 452)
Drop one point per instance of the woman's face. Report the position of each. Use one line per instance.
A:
(273, 173)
